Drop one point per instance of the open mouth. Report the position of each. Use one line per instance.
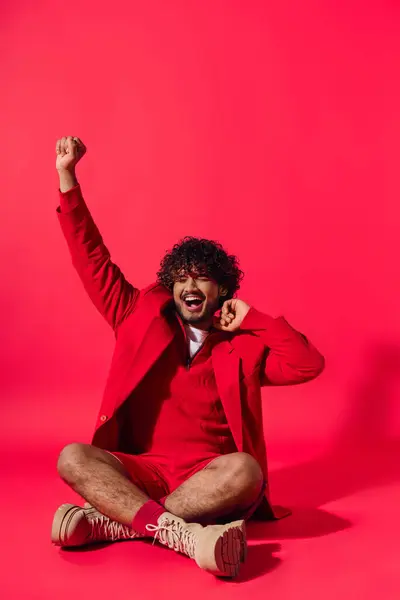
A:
(193, 303)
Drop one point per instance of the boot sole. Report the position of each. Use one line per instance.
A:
(230, 551)
(243, 542)
(241, 527)
(61, 523)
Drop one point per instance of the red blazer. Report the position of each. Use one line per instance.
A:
(265, 351)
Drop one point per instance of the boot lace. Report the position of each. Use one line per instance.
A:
(175, 535)
(104, 528)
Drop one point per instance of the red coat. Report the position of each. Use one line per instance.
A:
(265, 351)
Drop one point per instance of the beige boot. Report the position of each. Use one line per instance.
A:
(242, 533)
(77, 526)
(218, 549)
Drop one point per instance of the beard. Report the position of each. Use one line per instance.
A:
(205, 316)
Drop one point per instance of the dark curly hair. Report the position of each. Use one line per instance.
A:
(199, 254)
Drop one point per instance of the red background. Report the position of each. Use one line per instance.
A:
(273, 128)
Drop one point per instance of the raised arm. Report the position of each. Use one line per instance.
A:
(113, 296)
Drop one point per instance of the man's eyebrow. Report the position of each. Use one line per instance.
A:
(202, 273)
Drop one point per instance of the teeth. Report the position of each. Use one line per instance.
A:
(192, 298)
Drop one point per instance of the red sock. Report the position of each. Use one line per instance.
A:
(147, 515)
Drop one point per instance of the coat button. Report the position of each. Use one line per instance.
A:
(103, 418)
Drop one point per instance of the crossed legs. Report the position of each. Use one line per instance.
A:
(228, 484)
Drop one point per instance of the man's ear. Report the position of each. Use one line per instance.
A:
(223, 291)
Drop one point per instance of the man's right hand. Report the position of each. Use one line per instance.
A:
(69, 152)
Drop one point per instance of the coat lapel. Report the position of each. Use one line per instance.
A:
(146, 355)
(226, 364)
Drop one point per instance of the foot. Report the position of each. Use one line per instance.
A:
(77, 526)
(241, 532)
(218, 549)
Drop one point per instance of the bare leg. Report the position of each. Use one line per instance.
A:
(229, 483)
(101, 479)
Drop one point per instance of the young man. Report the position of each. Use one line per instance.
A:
(178, 451)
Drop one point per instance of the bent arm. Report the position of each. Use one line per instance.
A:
(289, 356)
(113, 296)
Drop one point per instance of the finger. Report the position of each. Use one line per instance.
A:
(80, 144)
(226, 308)
(71, 145)
(62, 145)
(58, 146)
(227, 313)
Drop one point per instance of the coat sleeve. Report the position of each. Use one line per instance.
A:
(289, 357)
(110, 292)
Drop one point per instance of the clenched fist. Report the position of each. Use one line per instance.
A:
(232, 314)
(69, 152)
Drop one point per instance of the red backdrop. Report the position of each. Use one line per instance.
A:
(271, 127)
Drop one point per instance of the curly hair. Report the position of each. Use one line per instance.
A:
(199, 254)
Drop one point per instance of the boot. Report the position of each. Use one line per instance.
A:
(77, 526)
(218, 549)
(238, 525)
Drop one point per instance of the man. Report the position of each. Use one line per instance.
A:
(178, 451)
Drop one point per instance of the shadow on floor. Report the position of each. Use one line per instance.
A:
(260, 561)
(364, 455)
(302, 523)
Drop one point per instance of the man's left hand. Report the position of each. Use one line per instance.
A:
(232, 314)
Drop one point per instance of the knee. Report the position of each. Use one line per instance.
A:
(245, 473)
(71, 461)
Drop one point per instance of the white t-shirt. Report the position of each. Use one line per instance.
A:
(196, 338)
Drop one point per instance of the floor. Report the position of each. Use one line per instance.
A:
(340, 542)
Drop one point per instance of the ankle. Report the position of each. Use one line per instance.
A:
(148, 514)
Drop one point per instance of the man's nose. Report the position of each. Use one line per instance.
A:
(191, 284)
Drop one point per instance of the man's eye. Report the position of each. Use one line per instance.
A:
(182, 279)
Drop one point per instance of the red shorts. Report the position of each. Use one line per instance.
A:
(158, 478)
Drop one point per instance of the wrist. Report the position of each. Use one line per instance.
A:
(66, 172)
(68, 179)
